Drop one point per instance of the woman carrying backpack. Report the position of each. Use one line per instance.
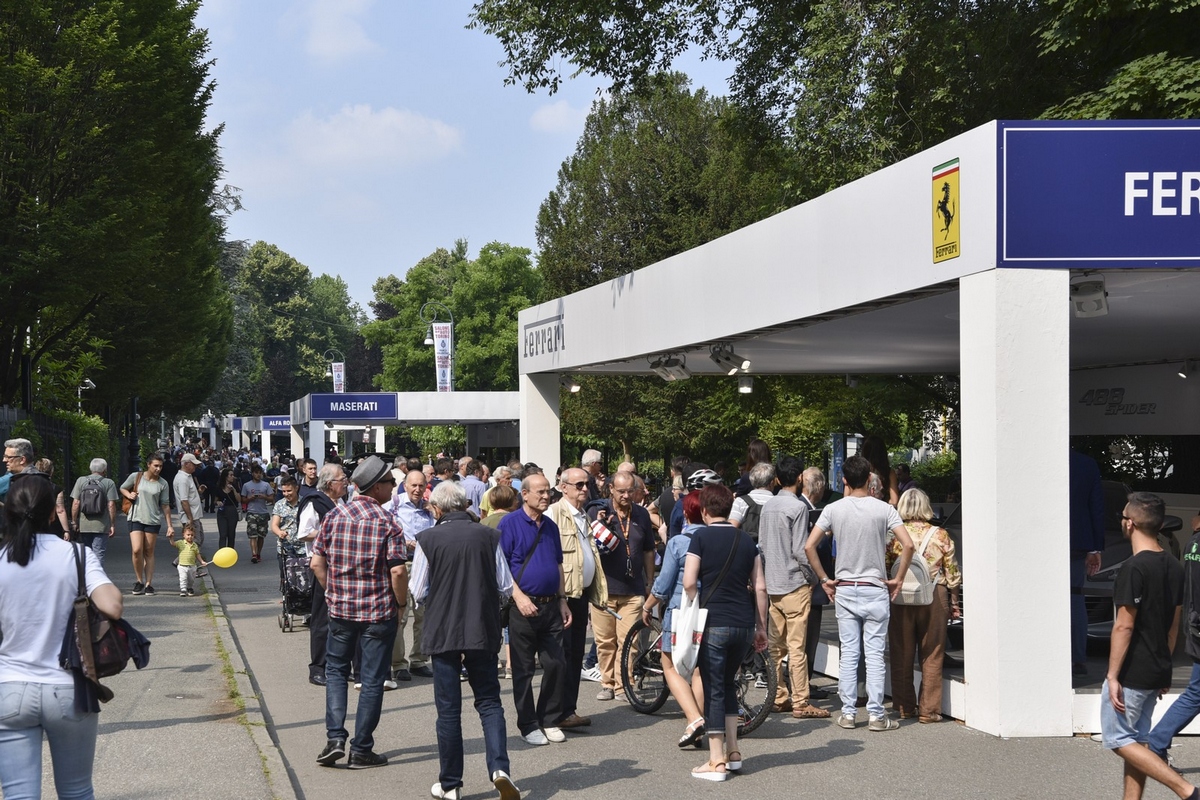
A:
(922, 629)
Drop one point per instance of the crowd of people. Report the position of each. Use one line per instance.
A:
(481, 563)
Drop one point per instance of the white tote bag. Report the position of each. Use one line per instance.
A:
(687, 629)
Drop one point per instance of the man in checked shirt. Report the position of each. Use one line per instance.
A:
(359, 557)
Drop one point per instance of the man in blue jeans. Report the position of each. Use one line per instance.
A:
(459, 575)
(363, 596)
(861, 591)
(1187, 705)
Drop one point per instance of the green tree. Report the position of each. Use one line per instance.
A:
(484, 295)
(109, 229)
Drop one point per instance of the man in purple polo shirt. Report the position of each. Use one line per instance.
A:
(532, 546)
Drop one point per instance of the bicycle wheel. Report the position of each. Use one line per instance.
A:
(641, 667)
(756, 683)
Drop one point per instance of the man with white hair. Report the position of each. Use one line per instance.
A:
(330, 493)
(503, 478)
(747, 509)
(459, 571)
(92, 491)
(18, 456)
(187, 496)
(592, 463)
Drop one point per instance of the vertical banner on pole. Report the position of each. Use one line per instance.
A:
(339, 377)
(443, 349)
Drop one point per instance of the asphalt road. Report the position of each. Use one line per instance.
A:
(173, 731)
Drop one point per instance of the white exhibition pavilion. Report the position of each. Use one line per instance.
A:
(1055, 266)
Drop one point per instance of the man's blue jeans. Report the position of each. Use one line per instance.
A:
(26, 711)
(862, 613)
(375, 640)
(447, 698)
(97, 541)
(1181, 712)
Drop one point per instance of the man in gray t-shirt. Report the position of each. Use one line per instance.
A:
(95, 529)
(862, 591)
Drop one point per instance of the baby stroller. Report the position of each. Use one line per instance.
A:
(296, 586)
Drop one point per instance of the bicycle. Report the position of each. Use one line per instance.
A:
(646, 684)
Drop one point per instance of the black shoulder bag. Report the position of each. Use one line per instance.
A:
(507, 603)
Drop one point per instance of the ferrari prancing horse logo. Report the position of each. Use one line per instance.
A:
(945, 211)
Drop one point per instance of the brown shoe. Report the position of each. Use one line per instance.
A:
(924, 720)
(575, 721)
(782, 708)
(809, 711)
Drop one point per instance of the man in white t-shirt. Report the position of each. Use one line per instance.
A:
(861, 592)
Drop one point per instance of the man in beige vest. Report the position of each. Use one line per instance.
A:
(584, 583)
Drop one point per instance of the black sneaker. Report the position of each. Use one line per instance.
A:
(139, 588)
(366, 760)
(334, 750)
(150, 590)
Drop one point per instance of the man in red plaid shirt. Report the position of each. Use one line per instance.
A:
(359, 558)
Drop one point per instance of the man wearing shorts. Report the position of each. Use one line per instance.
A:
(151, 499)
(1148, 595)
(257, 493)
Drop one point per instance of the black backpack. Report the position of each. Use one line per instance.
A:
(751, 517)
(91, 498)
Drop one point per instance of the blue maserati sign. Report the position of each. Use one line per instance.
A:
(1099, 194)
(363, 406)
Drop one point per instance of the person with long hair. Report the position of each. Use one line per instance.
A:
(883, 485)
(668, 588)
(38, 584)
(757, 452)
(150, 495)
(725, 561)
(922, 628)
(229, 504)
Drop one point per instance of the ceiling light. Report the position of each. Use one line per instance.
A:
(724, 357)
(745, 384)
(1186, 369)
(1088, 297)
(670, 368)
(851, 382)
(569, 383)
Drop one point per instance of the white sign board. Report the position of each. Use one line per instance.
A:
(443, 354)
(339, 377)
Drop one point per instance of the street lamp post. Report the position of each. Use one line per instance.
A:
(443, 342)
(334, 356)
(87, 384)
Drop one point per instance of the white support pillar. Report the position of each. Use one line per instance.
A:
(212, 437)
(264, 446)
(316, 441)
(540, 421)
(1015, 351)
(297, 441)
(237, 440)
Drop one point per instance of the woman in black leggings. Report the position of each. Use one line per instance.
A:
(229, 503)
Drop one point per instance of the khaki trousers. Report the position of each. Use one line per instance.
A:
(919, 630)
(788, 635)
(610, 634)
(415, 658)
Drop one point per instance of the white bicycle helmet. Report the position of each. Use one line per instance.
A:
(701, 478)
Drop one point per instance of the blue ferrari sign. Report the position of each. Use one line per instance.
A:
(1099, 194)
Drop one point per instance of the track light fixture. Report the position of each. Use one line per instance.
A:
(569, 383)
(724, 357)
(745, 384)
(670, 367)
(1187, 369)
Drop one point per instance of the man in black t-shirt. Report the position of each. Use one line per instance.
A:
(1148, 595)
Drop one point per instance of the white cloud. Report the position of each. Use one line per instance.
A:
(335, 31)
(558, 117)
(358, 136)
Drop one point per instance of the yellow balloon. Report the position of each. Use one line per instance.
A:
(225, 557)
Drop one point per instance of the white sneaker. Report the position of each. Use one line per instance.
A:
(554, 734)
(505, 786)
(536, 737)
(592, 674)
(446, 794)
(388, 686)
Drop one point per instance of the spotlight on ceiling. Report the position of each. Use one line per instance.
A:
(569, 383)
(670, 368)
(851, 382)
(1088, 297)
(1188, 367)
(724, 357)
(745, 384)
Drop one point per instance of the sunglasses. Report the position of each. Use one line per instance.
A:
(578, 485)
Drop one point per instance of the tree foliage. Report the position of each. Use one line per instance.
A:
(484, 296)
(109, 229)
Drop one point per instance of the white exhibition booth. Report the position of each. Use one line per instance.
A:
(989, 256)
(490, 417)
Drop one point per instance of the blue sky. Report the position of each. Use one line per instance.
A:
(364, 134)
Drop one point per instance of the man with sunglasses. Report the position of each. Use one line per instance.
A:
(584, 583)
(628, 571)
(18, 455)
(364, 597)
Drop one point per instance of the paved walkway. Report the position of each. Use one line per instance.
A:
(174, 731)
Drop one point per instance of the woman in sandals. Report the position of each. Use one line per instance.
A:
(668, 588)
(725, 561)
(922, 628)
